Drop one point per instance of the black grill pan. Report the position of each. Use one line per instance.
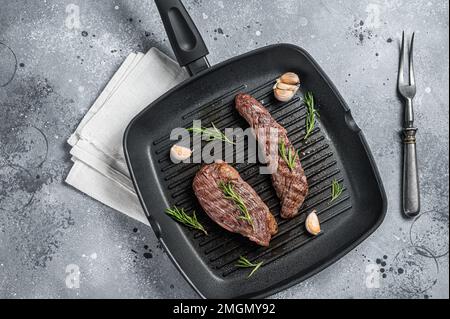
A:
(336, 150)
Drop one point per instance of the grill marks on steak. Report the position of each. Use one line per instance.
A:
(225, 212)
(291, 185)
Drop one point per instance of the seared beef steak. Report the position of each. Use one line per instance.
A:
(290, 182)
(208, 188)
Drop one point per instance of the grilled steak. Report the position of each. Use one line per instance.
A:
(208, 185)
(290, 183)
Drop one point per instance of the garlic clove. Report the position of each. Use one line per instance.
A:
(283, 95)
(289, 87)
(290, 78)
(313, 224)
(288, 82)
(180, 153)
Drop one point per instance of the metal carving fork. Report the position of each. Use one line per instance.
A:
(407, 89)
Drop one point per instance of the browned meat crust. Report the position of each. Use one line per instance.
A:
(225, 212)
(291, 185)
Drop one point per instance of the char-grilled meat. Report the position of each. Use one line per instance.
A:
(290, 184)
(225, 212)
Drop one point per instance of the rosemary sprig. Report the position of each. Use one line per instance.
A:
(336, 190)
(212, 133)
(311, 115)
(182, 217)
(245, 263)
(288, 155)
(230, 193)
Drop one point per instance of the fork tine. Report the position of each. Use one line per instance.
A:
(412, 80)
(401, 80)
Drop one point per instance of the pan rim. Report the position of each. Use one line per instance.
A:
(269, 291)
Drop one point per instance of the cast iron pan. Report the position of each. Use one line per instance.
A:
(336, 150)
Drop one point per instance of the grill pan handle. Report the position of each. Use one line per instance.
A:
(187, 42)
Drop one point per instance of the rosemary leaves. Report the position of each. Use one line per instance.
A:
(311, 115)
(289, 155)
(245, 263)
(336, 190)
(211, 134)
(230, 193)
(182, 217)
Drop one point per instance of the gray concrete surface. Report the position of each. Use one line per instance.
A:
(46, 225)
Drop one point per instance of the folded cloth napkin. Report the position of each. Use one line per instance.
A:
(99, 169)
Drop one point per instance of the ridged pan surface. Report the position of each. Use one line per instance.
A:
(336, 150)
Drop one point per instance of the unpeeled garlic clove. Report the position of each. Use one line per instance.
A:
(286, 87)
(313, 224)
(283, 95)
(180, 153)
(290, 78)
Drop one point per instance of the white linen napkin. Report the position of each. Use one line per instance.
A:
(99, 169)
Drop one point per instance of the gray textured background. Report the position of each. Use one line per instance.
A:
(46, 225)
